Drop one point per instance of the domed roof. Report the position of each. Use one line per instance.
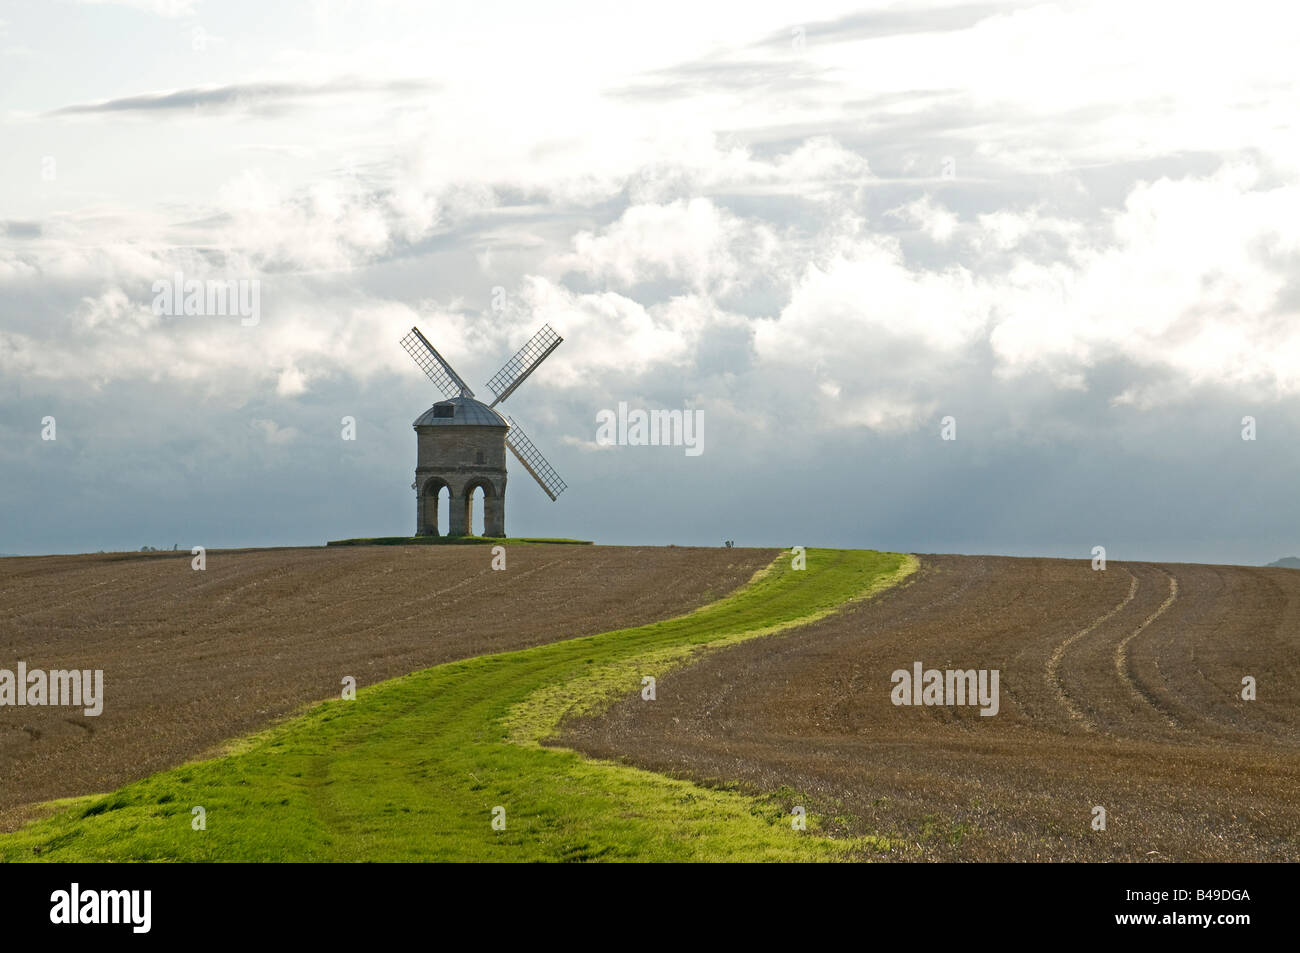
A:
(460, 411)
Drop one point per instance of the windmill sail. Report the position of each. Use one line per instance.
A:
(533, 460)
(431, 362)
(524, 363)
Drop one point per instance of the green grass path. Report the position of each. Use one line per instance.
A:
(412, 769)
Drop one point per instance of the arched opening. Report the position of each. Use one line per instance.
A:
(480, 497)
(437, 508)
(476, 510)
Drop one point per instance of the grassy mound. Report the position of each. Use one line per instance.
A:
(451, 541)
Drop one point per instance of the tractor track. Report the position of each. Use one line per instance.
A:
(1054, 663)
(1122, 666)
(1119, 688)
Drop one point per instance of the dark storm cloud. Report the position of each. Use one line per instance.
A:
(15, 229)
(875, 24)
(718, 73)
(711, 76)
(260, 96)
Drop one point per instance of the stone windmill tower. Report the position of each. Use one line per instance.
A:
(461, 443)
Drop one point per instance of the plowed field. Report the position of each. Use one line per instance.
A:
(191, 659)
(1119, 689)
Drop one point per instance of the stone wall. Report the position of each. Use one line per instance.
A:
(461, 458)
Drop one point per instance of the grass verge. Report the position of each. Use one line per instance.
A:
(452, 541)
(414, 767)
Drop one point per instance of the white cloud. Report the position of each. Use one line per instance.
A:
(603, 332)
(818, 169)
(877, 336)
(1005, 229)
(333, 224)
(691, 241)
(586, 446)
(1190, 278)
(930, 217)
(292, 383)
(728, 202)
(273, 433)
(115, 311)
(868, 295)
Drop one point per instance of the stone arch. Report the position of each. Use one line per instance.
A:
(494, 513)
(429, 505)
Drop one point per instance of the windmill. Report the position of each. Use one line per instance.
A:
(461, 442)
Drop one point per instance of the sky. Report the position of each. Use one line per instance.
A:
(1072, 228)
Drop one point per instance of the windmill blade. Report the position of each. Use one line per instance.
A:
(431, 362)
(533, 461)
(518, 368)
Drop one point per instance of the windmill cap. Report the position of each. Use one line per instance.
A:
(460, 412)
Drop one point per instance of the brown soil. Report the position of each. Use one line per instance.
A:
(1119, 689)
(191, 659)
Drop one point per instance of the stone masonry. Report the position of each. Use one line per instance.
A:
(462, 457)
